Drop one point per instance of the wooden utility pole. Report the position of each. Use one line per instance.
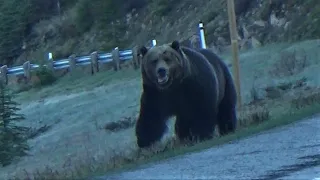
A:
(234, 46)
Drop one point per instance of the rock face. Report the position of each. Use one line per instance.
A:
(258, 22)
(264, 21)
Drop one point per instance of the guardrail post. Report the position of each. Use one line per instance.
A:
(4, 74)
(94, 62)
(27, 70)
(135, 58)
(72, 62)
(116, 59)
(50, 63)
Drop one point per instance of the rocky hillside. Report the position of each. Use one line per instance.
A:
(90, 25)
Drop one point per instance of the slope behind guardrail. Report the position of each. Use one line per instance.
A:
(116, 57)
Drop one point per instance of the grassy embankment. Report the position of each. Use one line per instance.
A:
(285, 103)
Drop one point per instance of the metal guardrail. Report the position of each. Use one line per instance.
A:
(116, 57)
(125, 55)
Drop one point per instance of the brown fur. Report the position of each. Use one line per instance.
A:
(198, 90)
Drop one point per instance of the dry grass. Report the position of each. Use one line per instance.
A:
(273, 92)
(262, 112)
(307, 98)
(77, 82)
(252, 114)
(290, 63)
(249, 116)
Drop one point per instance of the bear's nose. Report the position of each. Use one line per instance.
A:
(162, 72)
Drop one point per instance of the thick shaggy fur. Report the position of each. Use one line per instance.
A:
(200, 92)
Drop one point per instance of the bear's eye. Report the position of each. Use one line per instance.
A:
(154, 61)
(167, 59)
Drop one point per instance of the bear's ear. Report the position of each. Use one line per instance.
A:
(175, 45)
(143, 50)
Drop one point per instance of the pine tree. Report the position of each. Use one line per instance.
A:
(13, 141)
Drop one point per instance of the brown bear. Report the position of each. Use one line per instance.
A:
(193, 85)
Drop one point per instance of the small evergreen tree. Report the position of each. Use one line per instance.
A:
(13, 141)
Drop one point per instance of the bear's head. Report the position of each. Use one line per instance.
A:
(163, 65)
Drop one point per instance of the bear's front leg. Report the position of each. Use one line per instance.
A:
(197, 115)
(196, 125)
(151, 123)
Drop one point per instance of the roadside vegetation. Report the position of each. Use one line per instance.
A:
(282, 104)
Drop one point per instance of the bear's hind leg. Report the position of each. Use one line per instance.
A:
(227, 116)
(226, 120)
(194, 127)
(182, 129)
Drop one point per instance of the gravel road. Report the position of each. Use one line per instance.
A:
(289, 152)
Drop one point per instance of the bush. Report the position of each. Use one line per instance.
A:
(306, 99)
(100, 13)
(46, 77)
(290, 64)
(163, 7)
(84, 19)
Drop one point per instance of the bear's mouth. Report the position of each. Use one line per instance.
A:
(163, 80)
(164, 83)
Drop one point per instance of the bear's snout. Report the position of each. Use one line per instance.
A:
(162, 72)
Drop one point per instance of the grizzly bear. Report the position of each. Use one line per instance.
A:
(193, 85)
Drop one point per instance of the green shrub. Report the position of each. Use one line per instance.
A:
(163, 7)
(100, 13)
(84, 19)
(46, 77)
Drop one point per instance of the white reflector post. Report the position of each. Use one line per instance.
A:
(50, 56)
(154, 42)
(202, 38)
